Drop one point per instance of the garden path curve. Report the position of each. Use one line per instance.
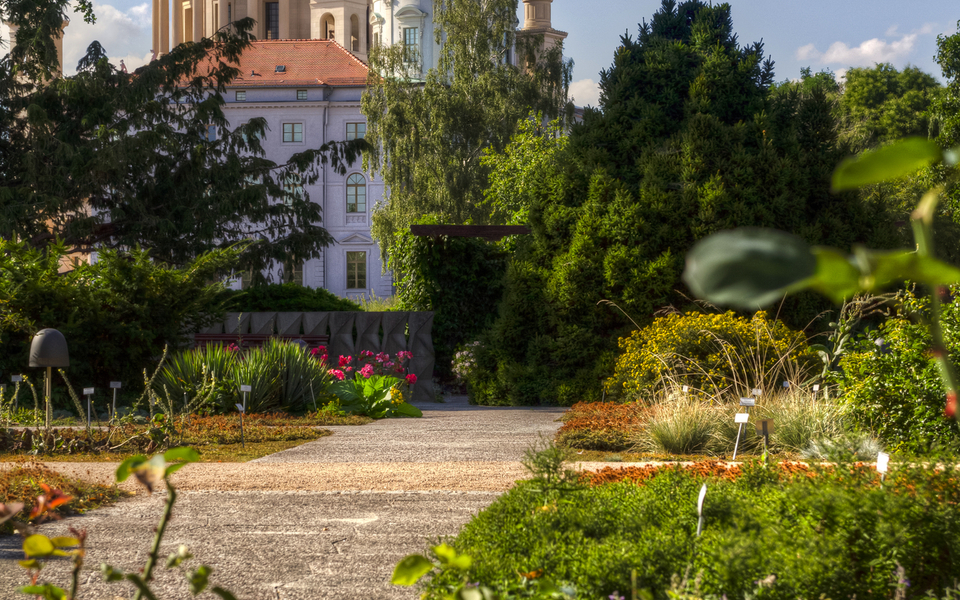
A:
(327, 519)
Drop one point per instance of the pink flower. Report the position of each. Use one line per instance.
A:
(365, 354)
(345, 360)
(336, 373)
(388, 365)
(404, 354)
(367, 371)
(399, 369)
(314, 351)
(411, 378)
(383, 357)
(321, 349)
(323, 358)
(348, 369)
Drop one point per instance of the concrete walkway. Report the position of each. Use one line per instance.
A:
(328, 519)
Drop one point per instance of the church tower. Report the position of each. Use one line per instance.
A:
(537, 21)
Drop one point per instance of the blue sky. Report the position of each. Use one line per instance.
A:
(822, 34)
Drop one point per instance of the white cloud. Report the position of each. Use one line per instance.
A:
(868, 53)
(585, 92)
(124, 35)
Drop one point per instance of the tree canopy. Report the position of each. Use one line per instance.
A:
(428, 131)
(690, 138)
(105, 159)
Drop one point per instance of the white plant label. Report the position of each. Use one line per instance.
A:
(239, 407)
(246, 388)
(87, 391)
(741, 418)
(114, 385)
(756, 392)
(685, 389)
(703, 494)
(883, 461)
(786, 384)
(16, 378)
(816, 387)
(748, 402)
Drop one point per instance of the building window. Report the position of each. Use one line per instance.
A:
(411, 44)
(301, 94)
(216, 15)
(273, 20)
(292, 132)
(357, 270)
(209, 133)
(229, 13)
(241, 96)
(293, 272)
(356, 131)
(294, 187)
(356, 194)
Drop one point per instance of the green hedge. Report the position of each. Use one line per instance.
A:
(289, 297)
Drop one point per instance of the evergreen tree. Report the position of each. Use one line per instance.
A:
(104, 159)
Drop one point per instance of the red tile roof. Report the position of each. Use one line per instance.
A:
(305, 62)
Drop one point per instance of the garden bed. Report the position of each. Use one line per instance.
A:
(770, 531)
(217, 438)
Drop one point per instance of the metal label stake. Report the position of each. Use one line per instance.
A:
(240, 408)
(742, 418)
(114, 385)
(88, 392)
(883, 463)
(703, 494)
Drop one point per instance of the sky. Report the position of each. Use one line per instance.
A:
(821, 34)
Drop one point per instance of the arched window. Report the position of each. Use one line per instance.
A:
(327, 27)
(354, 33)
(356, 194)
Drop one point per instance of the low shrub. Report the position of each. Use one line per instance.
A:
(892, 383)
(774, 533)
(601, 426)
(282, 375)
(711, 353)
(21, 482)
(286, 297)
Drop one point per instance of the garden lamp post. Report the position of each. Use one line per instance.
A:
(49, 349)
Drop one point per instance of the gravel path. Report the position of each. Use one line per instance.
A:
(327, 519)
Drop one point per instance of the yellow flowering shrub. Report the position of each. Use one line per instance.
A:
(710, 353)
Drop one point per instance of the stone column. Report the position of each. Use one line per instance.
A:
(394, 333)
(368, 331)
(155, 40)
(284, 11)
(224, 20)
(177, 22)
(164, 28)
(341, 336)
(198, 6)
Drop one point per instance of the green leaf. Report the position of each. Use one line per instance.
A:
(152, 472)
(450, 559)
(884, 164)
(110, 574)
(748, 267)
(128, 465)
(409, 570)
(224, 594)
(65, 542)
(466, 593)
(141, 585)
(30, 564)
(199, 579)
(48, 591)
(38, 545)
(836, 277)
(185, 454)
(409, 410)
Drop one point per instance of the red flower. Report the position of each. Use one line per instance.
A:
(951, 409)
(336, 373)
(411, 378)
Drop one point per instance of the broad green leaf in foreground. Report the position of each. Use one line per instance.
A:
(409, 570)
(884, 164)
(748, 267)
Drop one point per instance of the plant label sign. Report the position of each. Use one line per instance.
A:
(786, 385)
(685, 389)
(756, 392)
(816, 387)
(703, 494)
(764, 427)
(246, 388)
(114, 385)
(741, 418)
(87, 391)
(239, 407)
(883, 462)
(748, 402)
(16, 378)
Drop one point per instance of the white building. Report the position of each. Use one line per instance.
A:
(306, 77)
